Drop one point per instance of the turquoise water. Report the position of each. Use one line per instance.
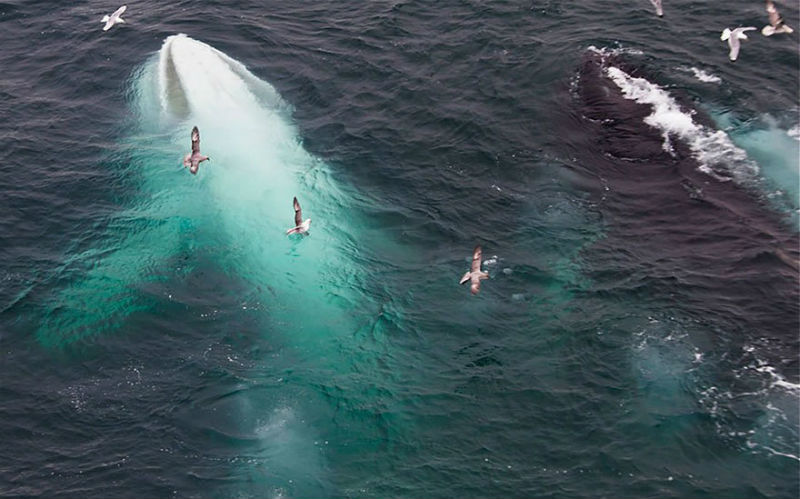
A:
(161, 336)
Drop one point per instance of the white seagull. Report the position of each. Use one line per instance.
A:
(657, 5)
(733, 37)
(113, 18)
(300, 226)
(474, 275)
(776, 25)
(193, 159)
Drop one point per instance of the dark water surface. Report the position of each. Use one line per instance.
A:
(638, 335)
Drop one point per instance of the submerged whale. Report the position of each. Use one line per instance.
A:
(259, 158)
(688, 217)
(696, 247)
(228, 223)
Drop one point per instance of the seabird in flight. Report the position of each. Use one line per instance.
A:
(113, 18)
(775, 22)
(193, 160)
(300, 226)
(657, 5)
(733, 37)
(474, 275)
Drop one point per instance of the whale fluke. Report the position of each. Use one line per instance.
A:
(474, 275)
(733, 36)
(776, 24)
(300, 226)
(193, 160)
(113, 18)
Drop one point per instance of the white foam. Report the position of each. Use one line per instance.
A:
(702, 74)
(794, 132)
(783, 454)
(705, 77)
(777, 379)
(715, 152)
(605, 51)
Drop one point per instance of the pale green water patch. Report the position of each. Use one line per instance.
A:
(773, 148)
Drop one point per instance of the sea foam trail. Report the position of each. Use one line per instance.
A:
(714, 151)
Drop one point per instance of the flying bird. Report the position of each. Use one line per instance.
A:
(657, 5)
(733, 37)
(776, 25)
(193, 160)
(474, 275)
(300, 226)
(113, 18)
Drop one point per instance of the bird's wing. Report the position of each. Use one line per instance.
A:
(298, 212)
(464, 278)
(195, 140)
(119, 11)
(476, 259)
(739, 32)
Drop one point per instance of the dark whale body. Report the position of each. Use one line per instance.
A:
(706, 244)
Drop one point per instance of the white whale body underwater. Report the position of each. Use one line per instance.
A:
(242, 200)
(234, 213)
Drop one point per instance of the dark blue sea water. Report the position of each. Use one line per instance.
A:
(635, 194)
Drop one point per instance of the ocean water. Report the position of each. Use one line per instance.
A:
(635, 194)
